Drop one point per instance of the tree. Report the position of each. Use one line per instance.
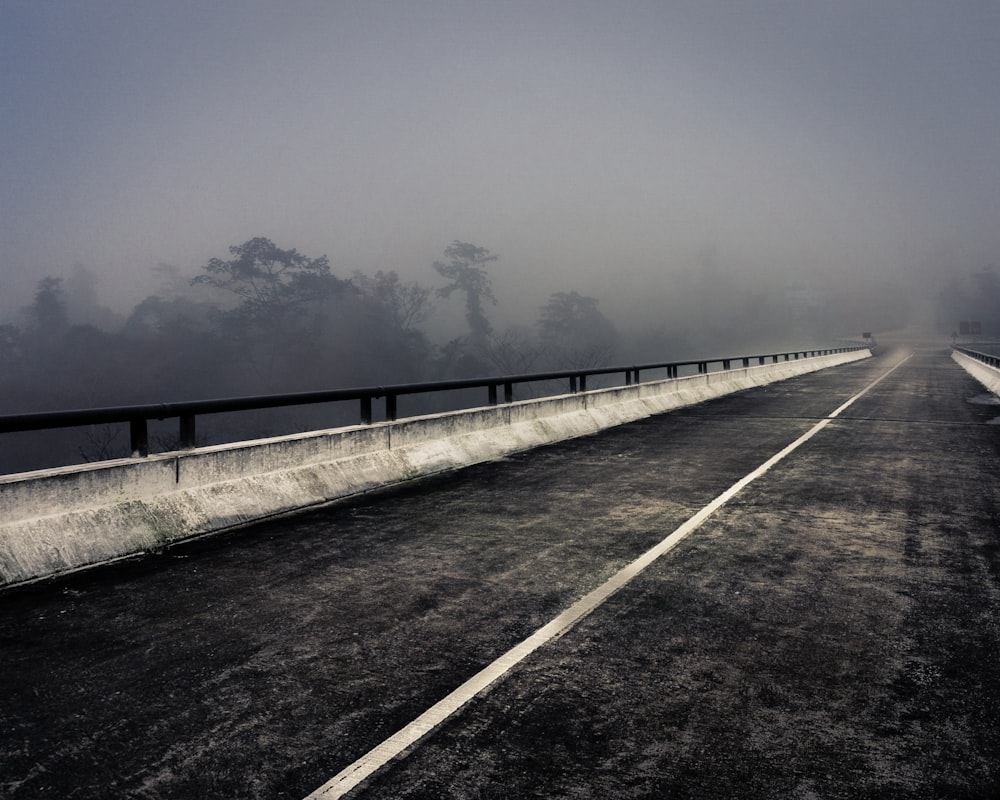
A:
(168, 318)
(10, 345)
(513, 351)
(83, 301)
(405, 305)
(574, 332)
(466, 272)
(47, 316)
(282, 301)
(271, 284)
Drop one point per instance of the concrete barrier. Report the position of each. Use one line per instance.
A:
(988, 376)
(58, 520)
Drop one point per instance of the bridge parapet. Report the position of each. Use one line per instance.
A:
(984, 367)
(138, 416)
(63, 519)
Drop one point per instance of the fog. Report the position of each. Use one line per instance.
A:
(684, 178)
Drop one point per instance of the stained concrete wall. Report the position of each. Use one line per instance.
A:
(988, 376)
(58, 520)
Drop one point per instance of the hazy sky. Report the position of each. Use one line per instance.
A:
(593, 145)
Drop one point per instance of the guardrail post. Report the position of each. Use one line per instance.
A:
(583, 383)
(187, 432)
(366, 411)
(725, 363)
(572, 384)
(508, 392)
(493, 394)
(138, 437)
(390, 407)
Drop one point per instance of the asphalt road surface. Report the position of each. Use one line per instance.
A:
(832, 630)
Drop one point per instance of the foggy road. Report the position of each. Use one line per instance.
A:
(830, 630)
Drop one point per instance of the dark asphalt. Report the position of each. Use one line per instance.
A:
(834, 631)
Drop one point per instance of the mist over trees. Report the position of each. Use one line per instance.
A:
(573, 332)
(273, 320)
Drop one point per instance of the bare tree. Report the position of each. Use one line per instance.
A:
(406, 305)
(101, 443)
(512, 352)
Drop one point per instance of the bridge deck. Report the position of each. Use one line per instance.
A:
(833, 630)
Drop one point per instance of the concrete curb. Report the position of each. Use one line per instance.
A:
(59, 520)
(988, 376)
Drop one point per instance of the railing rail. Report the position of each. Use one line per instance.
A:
(138, 416)
(991, 359)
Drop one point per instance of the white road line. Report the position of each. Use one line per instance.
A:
(405, 738)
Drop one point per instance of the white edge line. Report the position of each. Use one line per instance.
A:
(406, 737)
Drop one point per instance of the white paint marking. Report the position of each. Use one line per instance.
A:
(395, 745)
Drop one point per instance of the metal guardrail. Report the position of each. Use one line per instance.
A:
(990, 359)
(138, 416)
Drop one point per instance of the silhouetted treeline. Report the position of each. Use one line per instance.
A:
(269, 320)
